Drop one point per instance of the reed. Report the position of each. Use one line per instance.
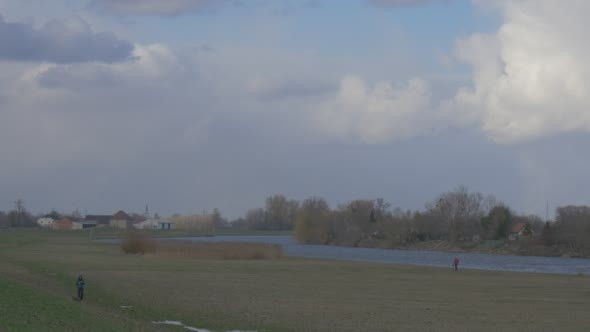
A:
(220, 250)
(135, 242)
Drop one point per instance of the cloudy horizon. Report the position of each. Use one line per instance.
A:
(190, 105)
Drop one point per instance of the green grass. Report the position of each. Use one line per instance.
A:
(271, 295)
(27, 308)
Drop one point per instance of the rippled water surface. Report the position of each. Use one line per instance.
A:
(416, 257)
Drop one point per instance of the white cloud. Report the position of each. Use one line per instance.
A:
(82, 112)
(376, 114)
(531, 78)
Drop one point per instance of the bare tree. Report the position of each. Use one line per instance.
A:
(256, 219)
(281, 212)
(217, 219)
(460, 211)
(312, 223)
(4, 222)
(19, 208)
(19, 217)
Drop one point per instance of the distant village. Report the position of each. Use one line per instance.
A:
(119, 219)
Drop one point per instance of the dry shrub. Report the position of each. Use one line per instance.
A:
(137, 243)
(220, 250)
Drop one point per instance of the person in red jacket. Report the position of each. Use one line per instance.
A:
(456, 263)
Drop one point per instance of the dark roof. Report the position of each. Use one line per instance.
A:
(54, 215)
(137, 217)
(86, 221)
(121, 215)
(518, 227)
(101, 219)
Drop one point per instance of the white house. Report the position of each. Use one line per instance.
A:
(165, 224)
(155, 224)
(45, 222)
(83, 224)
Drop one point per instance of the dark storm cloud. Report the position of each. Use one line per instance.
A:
(154, 7)
(179, 7)
(60, 41)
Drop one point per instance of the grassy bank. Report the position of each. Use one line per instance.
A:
(108, 232)
(268, 295)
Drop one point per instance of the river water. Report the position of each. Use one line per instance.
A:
(416, 257)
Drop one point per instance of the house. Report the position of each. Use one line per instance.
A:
(155, 224)
(146, 224)
(48, 219)
(83, 224)
(520, 229)
(45, 221)
(166, 225)
(64, 223)
(121, 220)
(99, 220)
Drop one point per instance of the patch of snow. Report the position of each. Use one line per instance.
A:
(190, 328)
(170, 322)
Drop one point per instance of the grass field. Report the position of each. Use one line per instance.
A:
(38, 271)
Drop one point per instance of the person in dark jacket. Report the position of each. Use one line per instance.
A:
(456, 263)
(80, 287)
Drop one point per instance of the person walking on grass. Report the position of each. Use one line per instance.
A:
(80, 287)
(456, 263)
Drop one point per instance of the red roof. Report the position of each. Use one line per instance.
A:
(121, 215)
(518, 227)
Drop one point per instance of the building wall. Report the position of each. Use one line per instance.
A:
(83, 225)
(45, 222)
(123, 224)
(64, 224)
(166, 225)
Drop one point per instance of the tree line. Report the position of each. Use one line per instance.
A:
(17, 217)
(458, 217)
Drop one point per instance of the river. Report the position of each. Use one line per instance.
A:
(416, 257)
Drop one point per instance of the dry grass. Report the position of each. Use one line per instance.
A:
(136, 242)
(293, 294)
(304, 295)
(219, 250)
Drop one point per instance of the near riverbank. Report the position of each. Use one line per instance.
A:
(129, 292)
(500, 247)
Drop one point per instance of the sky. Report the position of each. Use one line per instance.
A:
(190, 105)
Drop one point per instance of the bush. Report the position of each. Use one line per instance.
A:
(137, 243)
